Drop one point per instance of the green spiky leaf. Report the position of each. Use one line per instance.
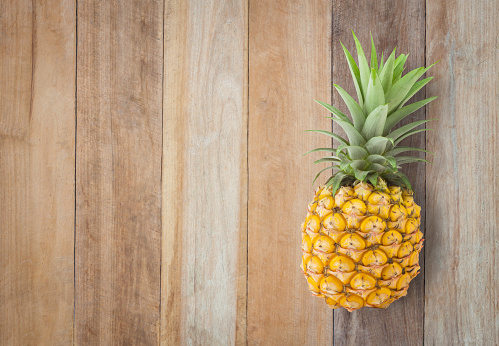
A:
(354, 136)
(339, 114)
(399, 150)
(331, 134)
(386, 74)
(337, 181)
(375, 122)
(360, 174)
(356, 152)
(405, 180)
(378, 168)
(399, 67)
(373, 178)
(401, 160)
(410, 134)
(321, 171)
(354, 70)
(376, 159)
(363, 66)
(395, 135)
(328, 159)
(355, 110)
(375, 96)
(374, 58)
(401, 113)
(378, 145)
(398, 91)
(358, 164)
(414, 89)
(320, 149)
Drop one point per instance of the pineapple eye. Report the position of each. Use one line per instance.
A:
(379, 198)
(313, 285)
(414, 259)
(313, 223)
(335, 222)
(324, 244)
(354, 207)
(376, 257)
(405, 249)
(397, 212)
(372, 224)
(353, 241)
(411, 226)
(403, 282)
(327, 202)
(362, 191)
(342, 263)
(392, 270)
(315, 265)
(331, 285)
(394, 190)
(391, 237)
(378, 297)
(352, 302)
(344, 194)
(362, 281)
(306, 243)
(332, 303)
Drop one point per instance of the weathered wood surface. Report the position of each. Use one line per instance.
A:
(118, 172)
(37, 74)
(290, 66)
(462, 250)
(190, 184)
(204, 174)
(393, 24)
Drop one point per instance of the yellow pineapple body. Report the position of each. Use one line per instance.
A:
(361, 246)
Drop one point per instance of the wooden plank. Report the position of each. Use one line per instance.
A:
(393, 24)
(290, 66)
(118, 173)
(37, 120)
(463, 189)
(204, 173)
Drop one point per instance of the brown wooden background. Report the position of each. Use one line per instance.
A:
(152, 183)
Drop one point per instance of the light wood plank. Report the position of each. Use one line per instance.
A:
(118, 215)
(204, 173)
(37, 142)
(393, 24)
(290, 66)
(462, 274)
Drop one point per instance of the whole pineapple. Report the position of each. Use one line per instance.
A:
(361, 237)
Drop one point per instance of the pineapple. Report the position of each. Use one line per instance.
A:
(361, 238)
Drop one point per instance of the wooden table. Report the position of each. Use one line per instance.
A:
(152, 183)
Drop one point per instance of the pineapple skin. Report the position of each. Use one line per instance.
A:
(361, 246)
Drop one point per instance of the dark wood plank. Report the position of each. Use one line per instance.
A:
(37, 121)
(462, 274)
(204, 174)
(290, 66)
(118, 173)
(393, 24)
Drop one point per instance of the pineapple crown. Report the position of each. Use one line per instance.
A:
(371, 153)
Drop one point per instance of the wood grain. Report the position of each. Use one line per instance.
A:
(37, 145)
(118, 173)
(393, 24)
(462, 274)
(290, 66)
(204, 174)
